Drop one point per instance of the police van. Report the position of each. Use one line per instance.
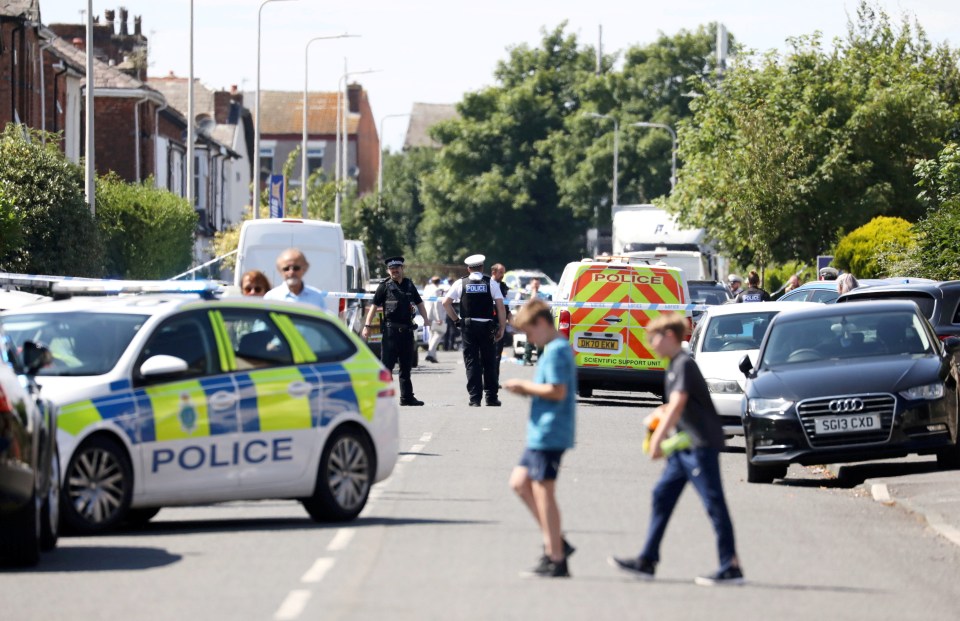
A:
(609, 343)
(178, 399)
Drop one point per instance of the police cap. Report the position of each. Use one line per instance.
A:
(474, 260)
(394, 261)
(828, 273)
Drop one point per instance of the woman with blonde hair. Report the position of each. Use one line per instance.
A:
(846, 282)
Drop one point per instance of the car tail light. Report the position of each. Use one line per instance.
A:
(4, 403)
(944, 337)
(387, 378)
(564, 325)
(343, 304)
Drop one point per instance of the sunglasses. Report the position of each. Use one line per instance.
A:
(253, 289)
(287, 268)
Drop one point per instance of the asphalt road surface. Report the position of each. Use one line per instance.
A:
(444, 538)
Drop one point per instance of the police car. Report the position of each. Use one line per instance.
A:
(178, 399)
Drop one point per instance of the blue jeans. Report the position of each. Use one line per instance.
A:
(700, 466)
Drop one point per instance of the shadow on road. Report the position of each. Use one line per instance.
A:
(851, 476)
(750, 584)
(67, 558)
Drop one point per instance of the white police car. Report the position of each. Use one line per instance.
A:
(173, 399)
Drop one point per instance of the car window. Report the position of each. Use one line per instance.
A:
(824, 296)
(187, 337)
(924, 301)
(326, 340)
(956, 314)
(255, 338)
(82, 343)
(846, 336)
(707, 294)
(8, 353)
(799, 295)
(736, 332)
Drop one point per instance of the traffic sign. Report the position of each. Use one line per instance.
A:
(277, 197)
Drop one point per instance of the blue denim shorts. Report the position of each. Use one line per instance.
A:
(541, 465)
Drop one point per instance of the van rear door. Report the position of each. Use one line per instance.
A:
(652, 285)
(599, 336)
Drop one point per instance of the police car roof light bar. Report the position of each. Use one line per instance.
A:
(207, 289)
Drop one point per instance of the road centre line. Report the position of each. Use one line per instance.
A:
(293, 605)
(318, 570)
(341, 540)
(426, 437)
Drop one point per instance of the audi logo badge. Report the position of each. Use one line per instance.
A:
(846, 405)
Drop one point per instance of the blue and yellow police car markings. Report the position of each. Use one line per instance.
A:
(365, 385)
(247, 411)
(179, 410)
(338, 393)
(119, 408)
(278, 409)
(222, 420)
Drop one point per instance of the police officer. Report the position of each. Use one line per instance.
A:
(483, 321)
(397, 296)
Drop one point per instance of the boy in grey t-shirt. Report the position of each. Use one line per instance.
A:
(690, 409)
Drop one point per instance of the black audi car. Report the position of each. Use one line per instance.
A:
(850, 382)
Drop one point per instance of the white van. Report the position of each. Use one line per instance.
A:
(262, 241)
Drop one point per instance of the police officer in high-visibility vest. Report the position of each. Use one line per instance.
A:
(397, 296)
(482, 321)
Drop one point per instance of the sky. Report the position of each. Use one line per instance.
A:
(434, 51)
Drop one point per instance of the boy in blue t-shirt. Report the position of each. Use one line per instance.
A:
(550, 432)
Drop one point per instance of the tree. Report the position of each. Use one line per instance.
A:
(852, 123)
(938, 253)
(859, 251)
(57, 233)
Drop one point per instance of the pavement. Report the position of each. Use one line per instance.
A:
(913, 484)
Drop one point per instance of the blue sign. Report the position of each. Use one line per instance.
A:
(823, 261)
(276, 196)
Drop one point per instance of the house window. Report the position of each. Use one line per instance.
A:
(314, 159)
(266, 163)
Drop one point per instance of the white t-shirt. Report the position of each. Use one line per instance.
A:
(457, 290)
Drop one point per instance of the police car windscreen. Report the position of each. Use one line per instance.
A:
(81, 343)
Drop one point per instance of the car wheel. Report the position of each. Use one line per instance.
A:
(50, 510)
(99, 485)
(20, 534)
(584, 391)
(140, 517)
(949, 458)
(344, 478)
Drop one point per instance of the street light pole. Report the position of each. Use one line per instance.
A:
(616, 150)
(191, 122)
(255, 202)
(89, 185)
(673, 151)
(303, 147)
(380, 157)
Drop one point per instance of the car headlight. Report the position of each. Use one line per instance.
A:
(766, 407)
(927, 391)
(724, 387)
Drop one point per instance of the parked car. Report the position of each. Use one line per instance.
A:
(823, 291)
(29, 465)
(850, 382)
(519, 280)
(722, 337)
(938, 301)
(709, 293)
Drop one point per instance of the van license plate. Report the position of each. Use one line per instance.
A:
(847, 424)
(588, 343)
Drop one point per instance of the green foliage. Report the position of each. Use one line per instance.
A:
(147, 232)
(57, 233)
(842, 130)
(776, 276)
(938, 252)
(857, 252)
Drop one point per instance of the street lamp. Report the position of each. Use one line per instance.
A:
(380, 158)
(616, 148)
(673, 157)
(303, 146)
(256, 120)
(342, 110)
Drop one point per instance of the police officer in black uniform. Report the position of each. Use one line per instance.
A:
(483, 321)
(397, 296)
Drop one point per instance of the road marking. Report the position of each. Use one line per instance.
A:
(318, 570)
(293, 605)
(880, 493)
(426, 437)
(412, 453)
(416, 448)
(341, 540)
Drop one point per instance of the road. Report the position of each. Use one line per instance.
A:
(444, 538)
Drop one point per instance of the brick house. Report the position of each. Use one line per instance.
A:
(20, 81)
(281, 118)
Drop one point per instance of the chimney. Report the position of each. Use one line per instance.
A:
(124, 31)
(137, 26)
(353, 97)
(79, 44)
(221, 107)
(108, 16)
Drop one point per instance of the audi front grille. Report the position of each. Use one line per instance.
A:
(845, 405)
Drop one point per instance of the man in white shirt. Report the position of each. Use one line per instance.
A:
(293, 266)
(436, 316)
(482, 321)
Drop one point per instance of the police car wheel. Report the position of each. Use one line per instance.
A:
(99, 485)
(50, 511)
(344, 479)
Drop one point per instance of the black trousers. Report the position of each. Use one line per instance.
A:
(480, 359)
(397, 346)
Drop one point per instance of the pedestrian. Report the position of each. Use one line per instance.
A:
(753, 293)
(496, 275)
(482, 321)
(736, 284)
(254, 283)
(792, 283)
(436, 317)
(292, 264)
(690, 409)
(397, 296)
(846, 282)
(533, 293)
(550, 431)
(829, 273)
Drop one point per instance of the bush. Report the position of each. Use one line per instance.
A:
(57, 234)
(147, 232)
(858, 252)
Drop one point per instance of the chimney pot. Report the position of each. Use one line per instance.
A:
(233, 89)
(79, 43)
(138, 26)
(124, 31)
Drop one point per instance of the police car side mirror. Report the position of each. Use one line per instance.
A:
(163, 365)
(35, 357)
(745, 366)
